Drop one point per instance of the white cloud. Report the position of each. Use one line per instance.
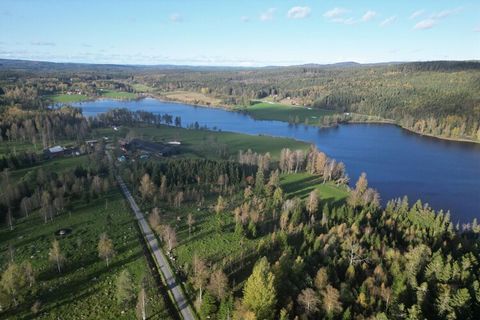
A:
(425, 24)
(267, 15)
(416, 14)
(244, 19)
(175, 17)
(446, 13)
(388, 21)
(369, 15)
(43, 43)
(348, 21)
(299, 12)
(433, 18)
(477, 29)
(335, 13)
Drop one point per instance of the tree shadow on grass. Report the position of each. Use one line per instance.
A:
(298, 187)
(69, 291)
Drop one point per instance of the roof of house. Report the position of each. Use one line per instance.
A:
(55, 149)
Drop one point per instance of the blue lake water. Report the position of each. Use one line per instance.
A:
(444, 174)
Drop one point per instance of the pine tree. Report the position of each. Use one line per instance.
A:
(259, 181)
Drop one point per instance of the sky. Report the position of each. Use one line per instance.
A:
(239, 33)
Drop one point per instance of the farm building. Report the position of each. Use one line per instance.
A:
(53, 152)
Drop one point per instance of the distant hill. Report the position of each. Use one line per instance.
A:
(46, 66)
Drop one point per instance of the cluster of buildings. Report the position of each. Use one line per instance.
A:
(143, 149)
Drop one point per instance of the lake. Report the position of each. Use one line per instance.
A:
(445, 174)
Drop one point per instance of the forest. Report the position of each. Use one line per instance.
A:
(307, 258)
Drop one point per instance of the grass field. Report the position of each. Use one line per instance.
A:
(57, 165)
(120, 95)
(282, 112)
(68, 98)
(192, 98)
(204, 143)
(140, 87)
(301, 184)
(86, 287)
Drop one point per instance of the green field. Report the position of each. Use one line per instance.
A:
(120, 95)
(68, 98)
(57, 165)
(86, 287)
(204, 143)
(140, 87)
(282, 112)
(301, 184)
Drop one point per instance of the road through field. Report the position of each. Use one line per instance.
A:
(157, 253)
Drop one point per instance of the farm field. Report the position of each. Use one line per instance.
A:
(214, 144)
(120, 95)
(287, 113)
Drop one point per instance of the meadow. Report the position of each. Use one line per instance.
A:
(119, 95)
(214, 144)
(85, 288)
(287, 113)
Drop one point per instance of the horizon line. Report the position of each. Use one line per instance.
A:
(272, 65)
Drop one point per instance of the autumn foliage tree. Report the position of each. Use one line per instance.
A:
(105, 248)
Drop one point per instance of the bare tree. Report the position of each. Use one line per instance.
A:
(147, 188)
(177, 202)
(331, 300)
(169, 236)
(141, 304)
(309, 300)
(218, 285)
(190, 222)
(56, 255)
(163, 187)
(312, 204)
(154, 218)
(220, 206)
(46, 206)
(10, 218)
(105, 248)
(200, 275)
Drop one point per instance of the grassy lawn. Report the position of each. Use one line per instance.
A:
(204, 143)
(301, 184)
(282, 112)
(192, 97)
(7, 147)
(140, 87)
(120, 95)
(86, 287)
(57, 165)
(68, 98)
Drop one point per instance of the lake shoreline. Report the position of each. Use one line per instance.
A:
(385, 121)
(234, 109)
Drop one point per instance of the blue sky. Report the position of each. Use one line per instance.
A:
(234, 32)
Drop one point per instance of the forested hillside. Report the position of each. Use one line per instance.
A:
(439, 98)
